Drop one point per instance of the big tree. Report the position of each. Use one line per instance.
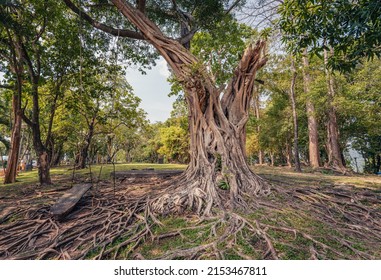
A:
(217, 116)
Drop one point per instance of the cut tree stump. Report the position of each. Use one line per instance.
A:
(146, 173)
(68, 201)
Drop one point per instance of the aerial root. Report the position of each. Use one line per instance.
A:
(114, 227)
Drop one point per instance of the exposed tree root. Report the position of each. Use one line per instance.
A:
(325, 223)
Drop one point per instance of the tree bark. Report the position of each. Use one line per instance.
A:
(258, 116)
(295, 117)
(217, 125)
(43, 160)
(334, 150)
(49, 141)
(16, 65)
(13, 156)
(313, 137)
(84, 151)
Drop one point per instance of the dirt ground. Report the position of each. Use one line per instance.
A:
(307, 216)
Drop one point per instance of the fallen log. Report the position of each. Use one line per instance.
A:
(67, 202)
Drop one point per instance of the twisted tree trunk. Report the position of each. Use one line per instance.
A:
(217, 124)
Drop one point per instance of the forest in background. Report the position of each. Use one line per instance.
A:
(76, 105)
(282, 83)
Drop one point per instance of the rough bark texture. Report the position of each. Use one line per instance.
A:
(334, 151)
(295, 118)
(17, 69)
(217, 125)
(313, 137)
(13, 156)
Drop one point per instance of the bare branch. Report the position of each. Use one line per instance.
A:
(108, 29)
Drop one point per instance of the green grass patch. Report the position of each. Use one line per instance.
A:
(58, 174)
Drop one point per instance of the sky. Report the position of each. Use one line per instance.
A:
(153, 90)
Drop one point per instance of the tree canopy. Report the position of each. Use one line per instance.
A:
(351, 28)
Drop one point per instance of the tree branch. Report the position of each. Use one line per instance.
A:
(141, 4)
(6, 86)
(187, 37)
(24, 117)
(108, 29)
(233, 6)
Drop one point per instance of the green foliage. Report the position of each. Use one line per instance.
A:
(5, 112)
(351, 28)
(223, 185)
(360, 107)
(174, 144)
(222, 48)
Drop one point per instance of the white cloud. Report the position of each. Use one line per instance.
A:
(163, 68)
(153, 89)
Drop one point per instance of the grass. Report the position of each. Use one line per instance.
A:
(321, 179)
(65, 172)
(191, 233)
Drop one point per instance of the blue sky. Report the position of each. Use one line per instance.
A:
(153, 89)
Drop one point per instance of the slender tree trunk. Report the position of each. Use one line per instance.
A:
(295, 118)
(258, 116)
(34, 70)
(378, 164)
(13, 156)
(84, 151)
(313, 137)
(43, 160)
(272, 159)
(49, 142)
(334, 150)
(288, 154)
(57, 154)
(17, 69)
(217, 125)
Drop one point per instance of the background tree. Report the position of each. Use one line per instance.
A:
(13, 66)
(350, 28)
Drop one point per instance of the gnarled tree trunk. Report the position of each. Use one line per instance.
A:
(217, 124)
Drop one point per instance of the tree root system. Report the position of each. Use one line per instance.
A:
(288, 223)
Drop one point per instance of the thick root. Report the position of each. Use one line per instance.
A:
(324, 223)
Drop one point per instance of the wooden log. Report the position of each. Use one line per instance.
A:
(67, 202)
(146, 173)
